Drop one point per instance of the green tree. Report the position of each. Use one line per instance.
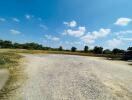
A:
(117, 51)
(98, 50)
(73, 49)
(32, 46)
(17, 45)
(130, 51)
(86, 49)
(129, 48)
(107, 51)
(6, 44)
(1, 43)
(60, 48)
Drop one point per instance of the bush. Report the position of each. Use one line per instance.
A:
(129, 48)
(73, 49)
(98, 50)
(107, 51)
(118, 51)
(60, 48)
(86, 49)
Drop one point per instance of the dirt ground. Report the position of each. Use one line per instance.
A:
(69, 77)
(4, 75)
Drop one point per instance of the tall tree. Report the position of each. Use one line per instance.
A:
(98, 50)
(86, 49)
(117, 51)
(129, 48)
(107, 51)
(73, 49)
(60, 48)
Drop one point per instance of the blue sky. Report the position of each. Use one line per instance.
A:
(68, 23)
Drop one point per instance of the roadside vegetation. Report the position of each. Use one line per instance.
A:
(10, 61)
(96, 51)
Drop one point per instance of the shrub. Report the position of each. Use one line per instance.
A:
(60, 48)
(86, 49)
(73, 49)
(98, 50)
(107, 51)
(118, 51)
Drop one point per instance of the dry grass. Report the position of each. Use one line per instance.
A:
(59, 52)
(130, 64)
(10, 61)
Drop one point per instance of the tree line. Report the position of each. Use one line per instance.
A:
(36, 46)
(100, 50)
(31, 46)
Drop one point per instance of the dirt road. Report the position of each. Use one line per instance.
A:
(66, 77)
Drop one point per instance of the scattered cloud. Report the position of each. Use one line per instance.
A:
(123, 21)
(29, 16)
(15, 19)
(15, 32)
(76, 33)
(73, 43)
(71, 24)
(2, 19)
(114, 43)
(90, 37)
(85, 37)
(126, 39)
(43, 26)
(124, 32)
(53, 38)
(121, 38)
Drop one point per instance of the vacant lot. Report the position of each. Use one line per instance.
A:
(68, 77)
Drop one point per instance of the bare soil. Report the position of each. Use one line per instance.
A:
(70, 77)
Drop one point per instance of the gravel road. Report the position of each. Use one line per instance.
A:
(68, 77)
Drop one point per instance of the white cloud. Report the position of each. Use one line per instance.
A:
(123, 21)
(76, 33)
(43, 26)
(15, 32)
(114, 43)
(16, 19)
(92, 36)
(88, 38)
(53, 38)
(71, 24)
(2, 19)
(101, 33)
(29, 16)
(124, 32)
(126, 39)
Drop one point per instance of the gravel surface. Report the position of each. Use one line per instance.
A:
(4, 74)
(68, 77)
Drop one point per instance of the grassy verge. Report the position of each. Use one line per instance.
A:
(10, 61)
(112, 56)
